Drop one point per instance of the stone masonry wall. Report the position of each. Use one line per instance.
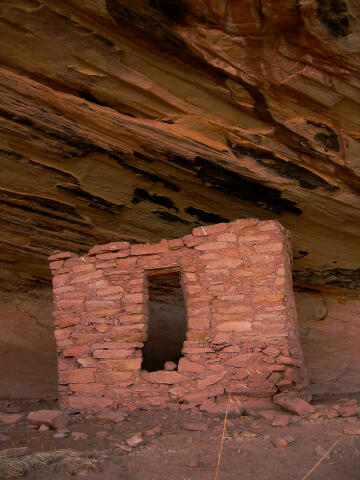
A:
(242, 337)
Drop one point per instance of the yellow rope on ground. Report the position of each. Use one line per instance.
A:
(222, 440)
(322, 458)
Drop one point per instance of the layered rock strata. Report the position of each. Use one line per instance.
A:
(242, 335)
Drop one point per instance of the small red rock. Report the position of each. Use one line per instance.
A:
(153, 432)
(293, 404)
(79, 436)
(280, 421)
(332, 413)
(279, 442)
(266, 414)
(52, 418)
(169, 366)
(135, 441)
(349, 411)
(195, 427)
(10, 418)
(352, 430)
(44, 428)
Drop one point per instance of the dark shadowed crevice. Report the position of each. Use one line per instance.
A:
(166, 321)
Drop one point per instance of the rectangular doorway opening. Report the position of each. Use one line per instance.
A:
(167, 322)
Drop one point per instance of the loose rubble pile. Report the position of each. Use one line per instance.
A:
(66, 424)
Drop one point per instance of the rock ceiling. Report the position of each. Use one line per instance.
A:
(140, 120)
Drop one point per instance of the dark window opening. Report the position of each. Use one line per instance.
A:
(166, 321)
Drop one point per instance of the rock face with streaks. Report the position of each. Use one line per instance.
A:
(137, 121)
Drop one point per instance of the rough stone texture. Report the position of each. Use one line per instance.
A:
(52, 418)
(250, 317)
(293, 404)
(141, 120)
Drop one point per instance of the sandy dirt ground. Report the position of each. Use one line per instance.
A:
(185, 445)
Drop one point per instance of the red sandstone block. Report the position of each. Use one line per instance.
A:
(191, 241)
(61, 334)
(76, 351)
(87, 388)
(60, 280)
(115, 246)
(198, 396)
(186, 366)
(84, 268)
(226, 237)
(98, 249)
(210, 229)
(106, 256)
(129, 328)
(231, 252)
(235, 297)
(66, 322)
(225, 263)
(127, 262)
(271, 351)
(109, 377)
(126, 318)
(149, 249)
(234, 309)
(80, 375)
(71, 262)
(56, 264)
(198, 309)
(261, 258)
(234, 326)
(90, 404)
(61, 256)
(122, 253)
(133, 298)
(87, 337)
(198, 321)
(134, 308)
(73, 294)
(100, 305)
(87, 277)
(275, 317)
(212, 246)
(175, 243)
(62, 344)
(135, 286)
(269, 247)
(196, 350)
(116, 345)
(269, 225)
(268, 298)
(106, 265)
(129, 337)
(121, 365)
(60, 290)
(110, 290)
(244, 223)
(112, 353)
(73, 303)
(263, 272)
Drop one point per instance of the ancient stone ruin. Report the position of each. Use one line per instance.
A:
(188, 321)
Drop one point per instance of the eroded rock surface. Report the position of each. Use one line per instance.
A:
(138, 121)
